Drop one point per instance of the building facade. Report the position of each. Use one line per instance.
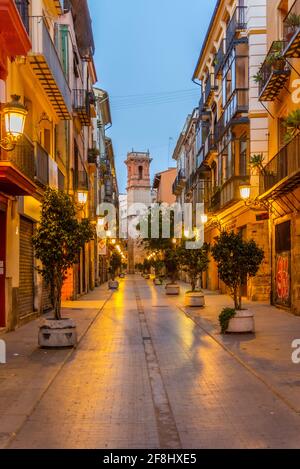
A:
(163, 186)
(46, 58)
(138, 192)
(280, 176)
(229, 126)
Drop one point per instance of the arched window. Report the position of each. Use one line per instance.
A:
(141, 172)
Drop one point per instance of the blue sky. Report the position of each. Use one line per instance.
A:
(148, 48)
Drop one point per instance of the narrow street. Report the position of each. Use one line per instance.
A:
(146, 376)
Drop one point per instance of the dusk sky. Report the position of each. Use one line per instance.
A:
(145, 57)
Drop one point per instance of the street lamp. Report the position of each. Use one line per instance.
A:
(82, 197)
(204, 219)
(245, 191)
(14, 117)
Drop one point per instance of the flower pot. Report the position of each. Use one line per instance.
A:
(57, 334)
(172, 289)
(113, 284)
(243, 321)
(278, 64)
(194, 299)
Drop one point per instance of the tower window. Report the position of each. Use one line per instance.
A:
(140, 172)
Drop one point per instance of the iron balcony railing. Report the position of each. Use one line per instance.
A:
(190, 182)
(215, 200)
(42, 165)
(273, 73)
(230, 190)
(209, 88)
(81, 180)
(82, 105)
(219, 58)
(236, 24)
(237, 103)
(43, 47)
(291, 31)
(179, 182)
(23, 8)
(22, 157)
(284, 165)
(209, 145)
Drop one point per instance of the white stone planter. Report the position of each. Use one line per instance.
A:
(113, 284)
(122, 275)
(57, 334)
(242, 322)
(194, 299)
(172, 289)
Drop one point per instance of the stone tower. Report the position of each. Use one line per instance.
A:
(138, 192)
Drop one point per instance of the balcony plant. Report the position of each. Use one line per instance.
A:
(292, 22)
(292, 124)
(237, 260)
(93, 154)
(258, 77)
(194, 262)
(57, 243)
(115, 263)
(275, 58)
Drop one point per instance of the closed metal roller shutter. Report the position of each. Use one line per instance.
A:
(26, 288)
(46, 298)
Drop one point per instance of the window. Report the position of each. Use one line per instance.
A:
(140, 172)
(244, 164)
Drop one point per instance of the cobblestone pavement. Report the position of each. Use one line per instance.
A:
(145, 375)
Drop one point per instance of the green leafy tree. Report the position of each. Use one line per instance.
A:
(146, 266)
(115, 263)
(172, 261)
(194, 262)
(58, 240)
(237, 260)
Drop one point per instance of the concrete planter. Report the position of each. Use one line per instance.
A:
(122, 275)
(57, 334)
(172, 289)
(157, 281)
(242, 322)
(113, 284)
(194, 299)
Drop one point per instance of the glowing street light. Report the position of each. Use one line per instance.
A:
(245, 191)
(14, 117)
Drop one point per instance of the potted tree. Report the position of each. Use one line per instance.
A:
(57, 243)
(237, 260)
(276, 58)
(115, 263)
(146, 269)
(158, 266)
(172, 263)
(194, 262)
(123, 269)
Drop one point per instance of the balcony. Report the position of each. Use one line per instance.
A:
(82, 102)
(17, 169)
(291, 32)
(282, 173)
(238, 103)
(230, 191)
(179, 183)
(81, 180)
(190, 182)
(219, 58)
(215, 201)
(42, 166)
(210, 146)
(46, 65)
(274, 73)
(210, 87)
(236, 24)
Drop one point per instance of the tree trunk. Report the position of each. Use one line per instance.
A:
(193, 285)
(57, 298)
(236, 299)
